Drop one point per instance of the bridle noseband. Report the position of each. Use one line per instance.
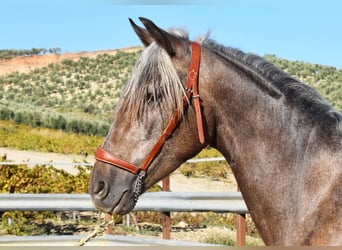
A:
(191, 93)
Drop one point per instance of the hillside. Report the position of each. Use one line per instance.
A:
(73, 92)
(78, 92)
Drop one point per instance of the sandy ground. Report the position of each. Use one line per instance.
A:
(178, 182)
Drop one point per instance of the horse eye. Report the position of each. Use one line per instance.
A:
(153, 95)
(150, 96)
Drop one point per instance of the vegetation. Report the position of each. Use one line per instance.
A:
(46, 140)
(217, 170)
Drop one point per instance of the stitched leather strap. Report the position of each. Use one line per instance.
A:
(192, 85)
(102, 155)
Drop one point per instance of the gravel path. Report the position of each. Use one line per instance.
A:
(32, 158)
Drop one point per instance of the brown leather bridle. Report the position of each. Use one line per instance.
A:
(191, 92)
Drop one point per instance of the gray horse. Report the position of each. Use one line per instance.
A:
(282, 140)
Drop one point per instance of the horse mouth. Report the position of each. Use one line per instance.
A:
(123, 206)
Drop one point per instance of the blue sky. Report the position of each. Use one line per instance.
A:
(305, 30)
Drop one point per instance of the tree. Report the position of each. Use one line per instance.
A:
(55, 50)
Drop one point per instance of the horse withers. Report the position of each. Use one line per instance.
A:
(282, 139)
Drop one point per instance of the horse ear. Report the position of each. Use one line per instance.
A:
(143, 34)
(166, 40)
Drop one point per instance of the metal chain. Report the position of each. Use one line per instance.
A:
(139, 186)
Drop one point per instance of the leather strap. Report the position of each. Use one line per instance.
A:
(192, 86)
(166, 134)
(102, 155)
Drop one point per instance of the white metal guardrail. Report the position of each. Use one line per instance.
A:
(221, 202)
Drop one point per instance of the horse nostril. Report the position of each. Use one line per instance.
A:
(101, 189)
(100, 186)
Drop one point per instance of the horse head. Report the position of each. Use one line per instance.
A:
(155, 125)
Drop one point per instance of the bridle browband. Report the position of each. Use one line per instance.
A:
(191, 93)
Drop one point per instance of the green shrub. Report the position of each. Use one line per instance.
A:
(218, 170)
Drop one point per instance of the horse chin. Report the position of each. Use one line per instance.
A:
(125, 205)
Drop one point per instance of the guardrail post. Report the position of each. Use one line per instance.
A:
(241, 228)
(166, 219)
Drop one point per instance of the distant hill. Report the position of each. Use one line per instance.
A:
(24, 64)
(77, 92)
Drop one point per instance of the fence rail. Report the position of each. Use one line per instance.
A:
(220, 202)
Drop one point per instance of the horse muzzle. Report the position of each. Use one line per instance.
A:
(109, 192)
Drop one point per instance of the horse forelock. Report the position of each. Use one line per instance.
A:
(154, 81)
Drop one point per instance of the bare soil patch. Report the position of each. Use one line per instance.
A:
(25, 64)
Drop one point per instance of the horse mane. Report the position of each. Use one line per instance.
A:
(273, 81)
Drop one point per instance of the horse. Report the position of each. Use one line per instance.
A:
(281, 138)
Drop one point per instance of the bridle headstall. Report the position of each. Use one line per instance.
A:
(191, 93)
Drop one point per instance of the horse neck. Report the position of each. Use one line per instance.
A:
(267, 145)
(252, 124)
